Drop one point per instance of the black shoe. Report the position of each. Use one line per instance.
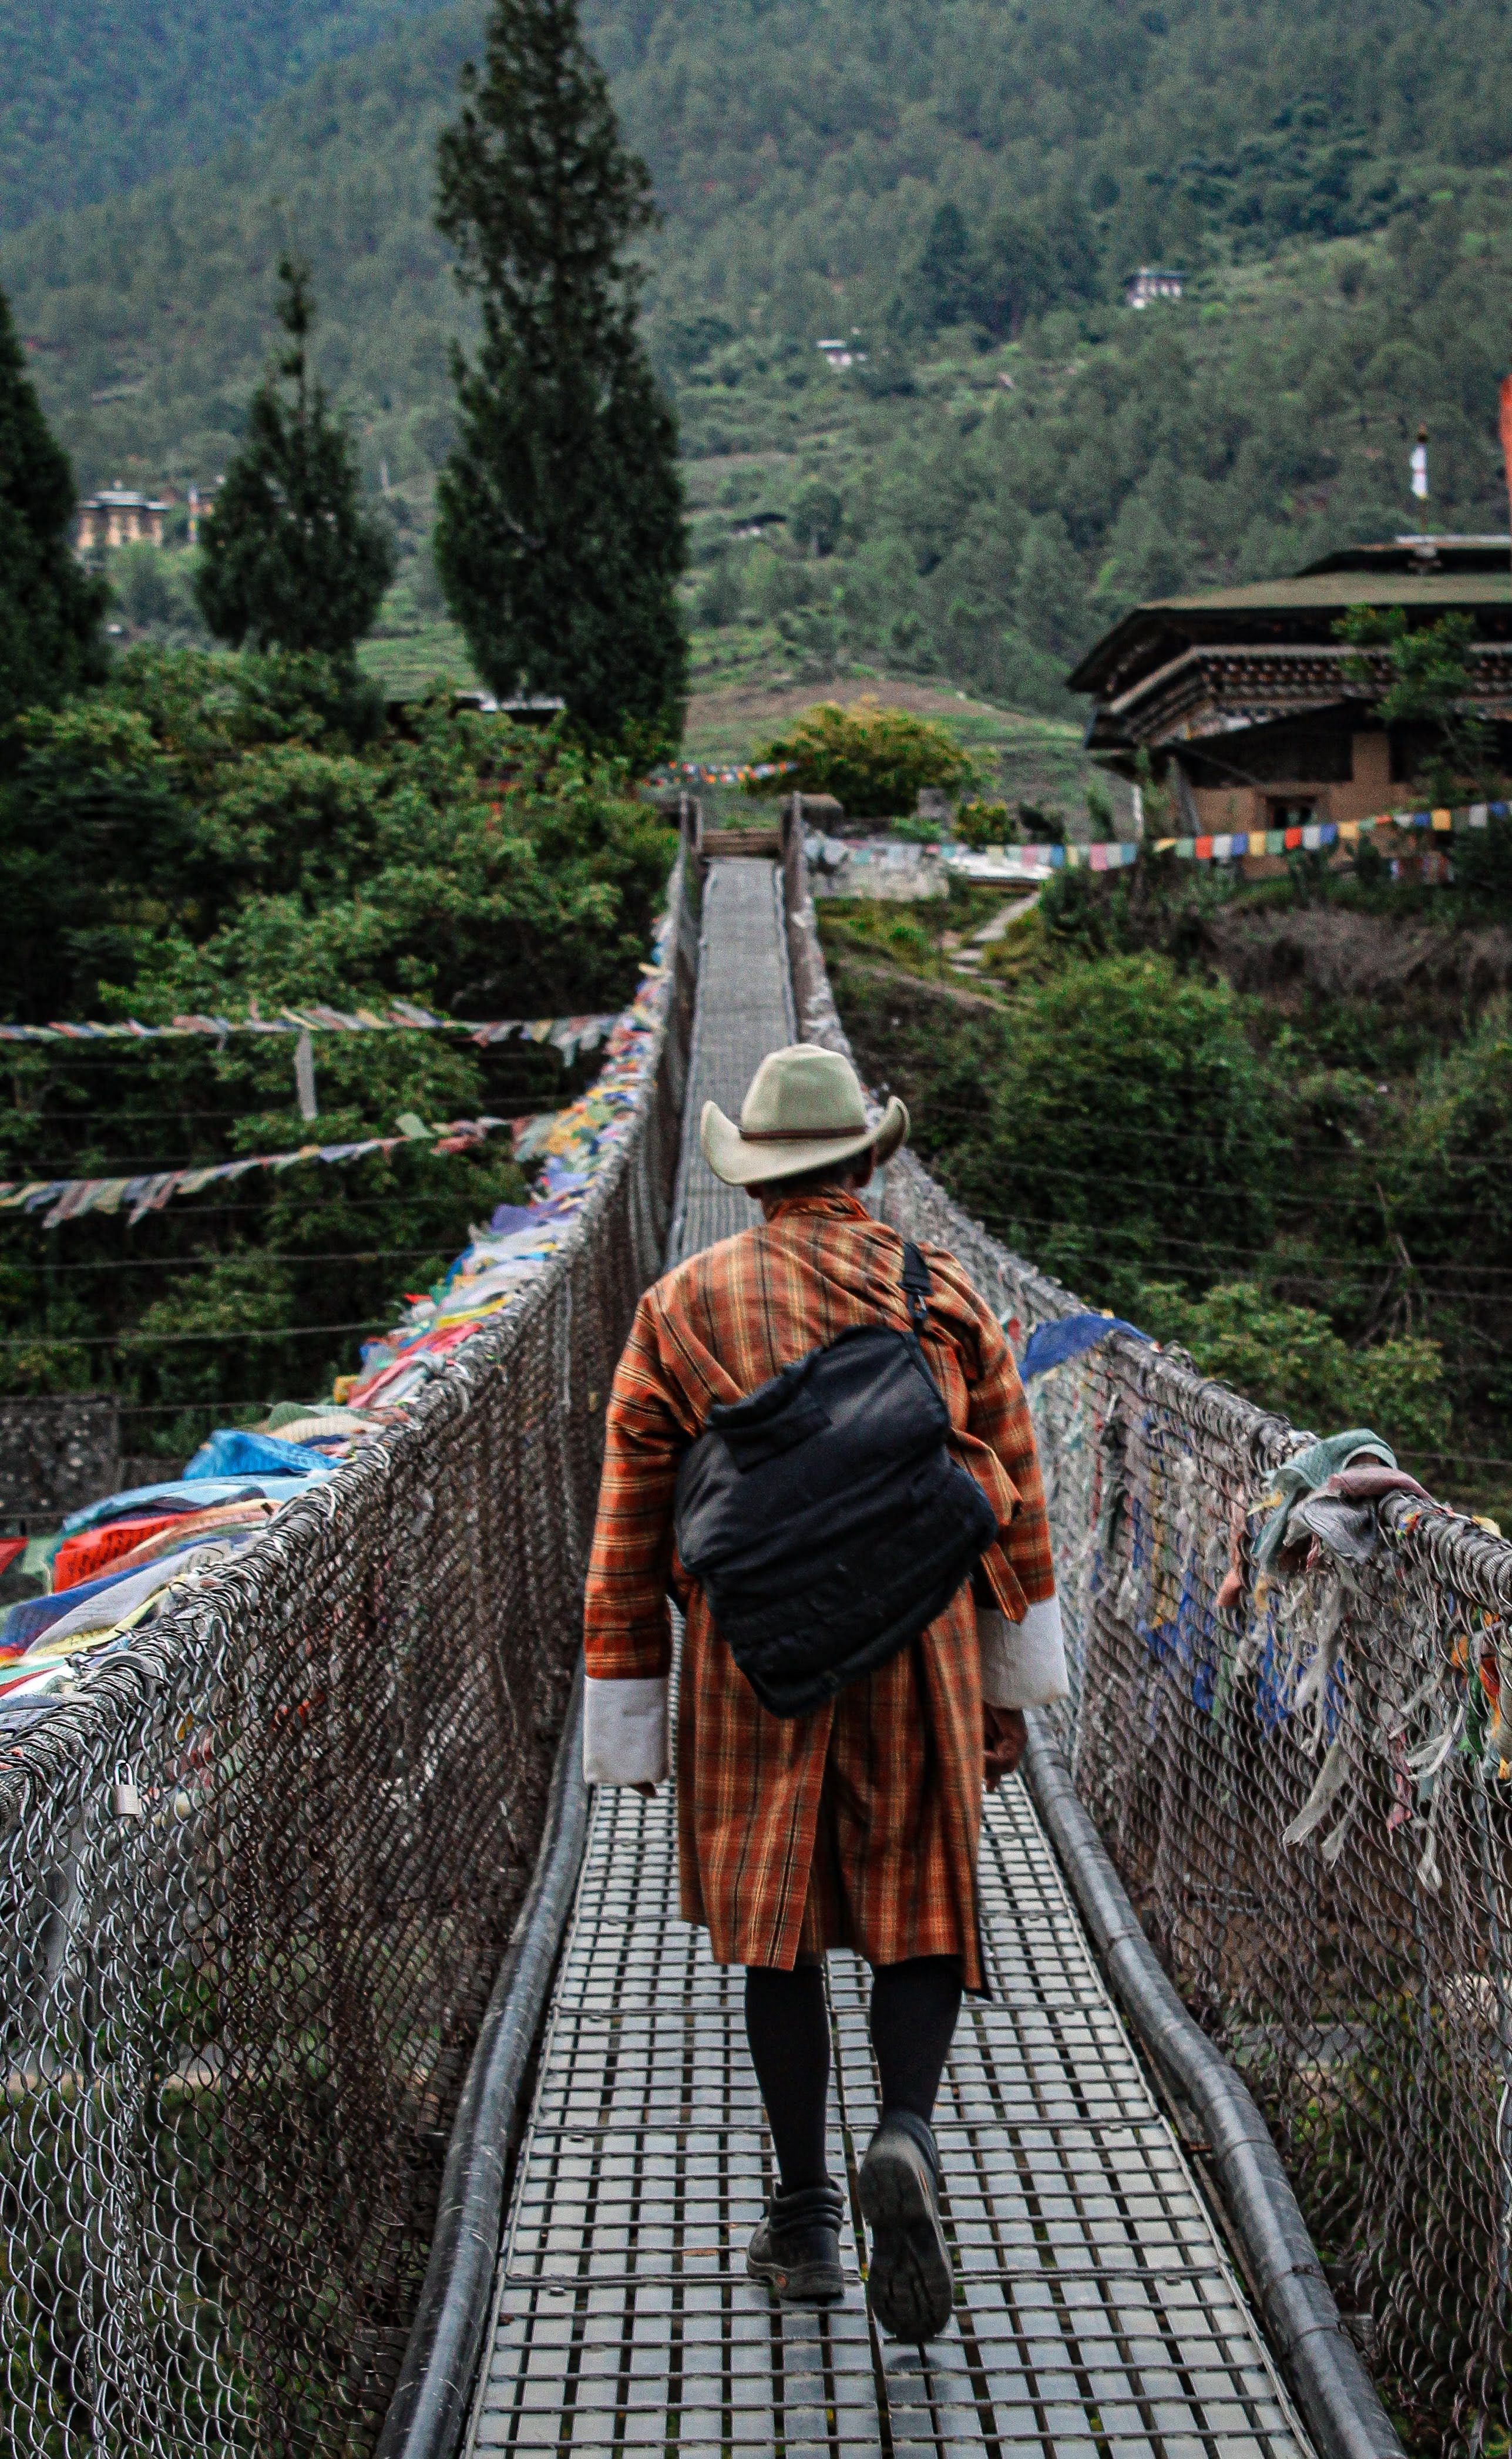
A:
(910, 2282)
(796, 2250)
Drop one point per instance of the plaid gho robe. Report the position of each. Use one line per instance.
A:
(855, 1825)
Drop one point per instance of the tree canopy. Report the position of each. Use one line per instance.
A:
(560, 514)
(292, 557)
(204, 834)
(873, 760)
(97, 99)
(49, 611)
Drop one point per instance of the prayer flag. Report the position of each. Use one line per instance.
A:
(1419, 465)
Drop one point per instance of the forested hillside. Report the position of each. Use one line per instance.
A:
(1017, 457)
(812, 121)
(97, 100)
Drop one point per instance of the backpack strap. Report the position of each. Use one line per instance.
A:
(915, 1285)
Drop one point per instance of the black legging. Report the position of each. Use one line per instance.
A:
(914, 2011)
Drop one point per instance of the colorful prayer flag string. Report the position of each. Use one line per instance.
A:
(69, 1199)
(568, 1034)
(1309, 837)
(696, 772)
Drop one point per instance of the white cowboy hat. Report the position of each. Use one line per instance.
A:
(805, 1110)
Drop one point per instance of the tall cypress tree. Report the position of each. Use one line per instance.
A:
(292, 559)
(559, 531)
(50, 611)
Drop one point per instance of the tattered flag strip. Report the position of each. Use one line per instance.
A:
(568, 1034)
(69, 1199)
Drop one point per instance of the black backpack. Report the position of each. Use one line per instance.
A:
(823, 1516)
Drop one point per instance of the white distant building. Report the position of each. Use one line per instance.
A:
(1152, 281)
(840, 353)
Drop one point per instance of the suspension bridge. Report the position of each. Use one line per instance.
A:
(367, 2092)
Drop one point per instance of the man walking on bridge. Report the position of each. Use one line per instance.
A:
(853, 1824)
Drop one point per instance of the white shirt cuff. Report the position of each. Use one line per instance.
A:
(1022, 1663)
(625, 1731)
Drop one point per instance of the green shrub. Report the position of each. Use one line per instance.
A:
(1128, 1119)
(873, 760)
(1482, 866)
(1290, 1358)
(208, 832)
(1074, 908)
(987, 824)
(1449, 1176)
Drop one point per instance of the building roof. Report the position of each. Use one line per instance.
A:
(1430, 551)
(1183, 669)
(1438, 575)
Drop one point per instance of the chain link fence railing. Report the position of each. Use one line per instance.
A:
(257, 1876)
(1305, 1780)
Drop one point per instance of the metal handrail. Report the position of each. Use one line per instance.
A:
(1335, 2393)
(428, 2414)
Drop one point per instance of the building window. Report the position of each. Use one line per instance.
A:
(1292, 814)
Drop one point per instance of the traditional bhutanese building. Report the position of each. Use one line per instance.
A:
(1250, 708)
(118, 517)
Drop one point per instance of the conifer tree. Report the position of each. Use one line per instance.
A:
(292, 559)
(559, 532)
(50, 640)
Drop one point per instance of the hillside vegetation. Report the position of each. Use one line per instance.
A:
(97, 100)
(1272, 1121)
(1010, 460)
(1018, 456)
(212, 837)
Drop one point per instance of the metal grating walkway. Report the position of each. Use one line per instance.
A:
(735, 1024)
(1097, 2313)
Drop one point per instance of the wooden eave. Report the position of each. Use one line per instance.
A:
(1212, 689)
